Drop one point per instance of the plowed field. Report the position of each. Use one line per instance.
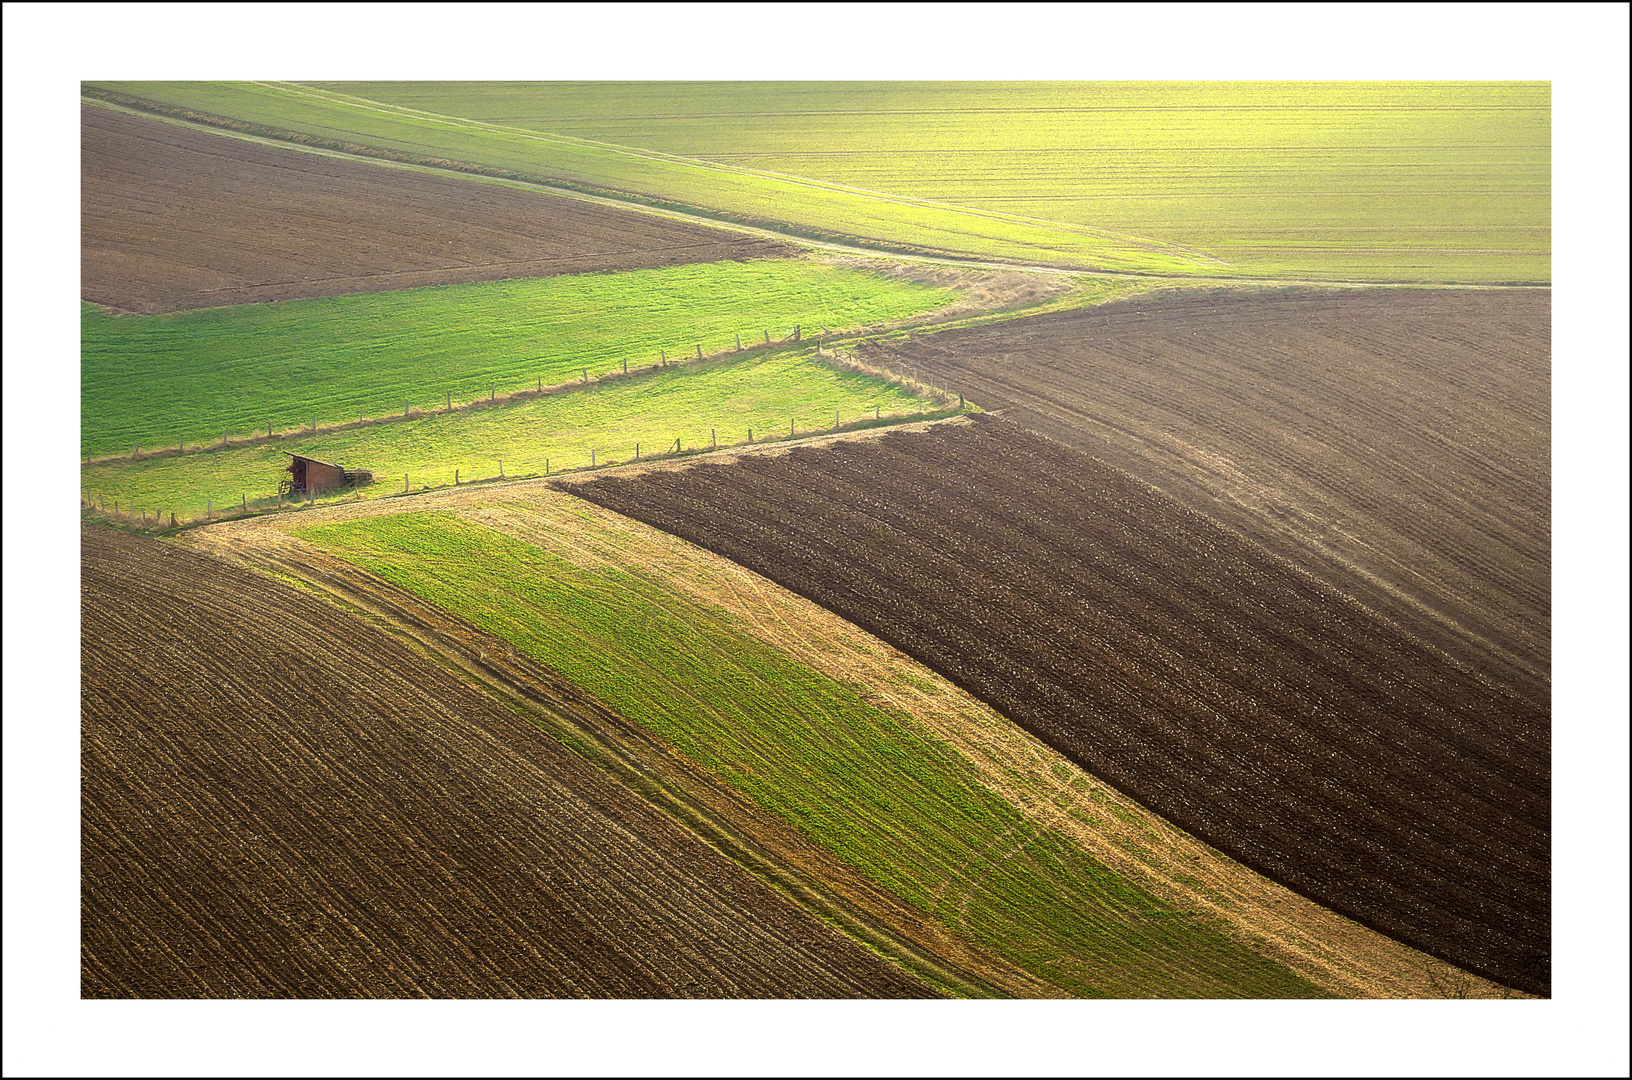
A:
(1395, 443)
(281, 801)
(1241, 698)
(174, 219)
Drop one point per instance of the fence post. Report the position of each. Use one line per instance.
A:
(875, 412)
(767, 337)
(699, 350)
(586, 375)
(501, 470)
(456, 478)
(223, 438)
(405, 483)
(626, 365)
(663, 357)
(790, 429)
(960, 402)
(750, 434)
(713, 440)
(209, 508)
(739, 341)
(493, 391)
(637, 451)
(835, 418)
(796, 333)
(246, 503)
(450, 401)
(172, 519)
(592, 457)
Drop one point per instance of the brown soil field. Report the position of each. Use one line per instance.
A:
(1243, 699)
(1393, 442)
(173, 219)
(280, 800)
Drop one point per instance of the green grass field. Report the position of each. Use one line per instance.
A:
(153, 380)
(872, 787)
(731, 395)
(1369, 181)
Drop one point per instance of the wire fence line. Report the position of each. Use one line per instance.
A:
(123, 510)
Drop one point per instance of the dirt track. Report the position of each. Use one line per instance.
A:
(1395, 443)
(1237, 696)
(280, 801)
(174, 219)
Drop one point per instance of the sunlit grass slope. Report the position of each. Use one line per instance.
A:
(154, 380)
(1401, 180)
(802, 206)
(689, 402)
(1407, 181)
(869, 785)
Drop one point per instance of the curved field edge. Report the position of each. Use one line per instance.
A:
(858, 781)
(281, 801)
(803, 209)
(1196, 671)
(1036, 782)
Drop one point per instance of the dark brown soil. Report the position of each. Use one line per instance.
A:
(1236, 695)
(173, 219)
(1393, 442)
(281, 801)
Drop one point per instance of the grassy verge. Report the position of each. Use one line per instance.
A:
(154, 381)
(715, 400)
(867, 783)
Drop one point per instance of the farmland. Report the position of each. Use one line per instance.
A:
(825, 540)
(1395, 444)
(696, 403)
(794, 205)
(1242, 699)
(868, 785)
(175, 219)
(1361, 181)
(281, 801)
(156, 380)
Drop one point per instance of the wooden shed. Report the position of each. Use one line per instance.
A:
(310, 477)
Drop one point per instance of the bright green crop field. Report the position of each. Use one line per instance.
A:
(722, 399)
(1417, 181)
(153, 380)
(870, 786)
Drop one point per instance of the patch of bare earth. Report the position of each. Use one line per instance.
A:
(281, 800)
(1395, 443)
(173, 219)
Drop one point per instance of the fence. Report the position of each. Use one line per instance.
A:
(122, 510)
